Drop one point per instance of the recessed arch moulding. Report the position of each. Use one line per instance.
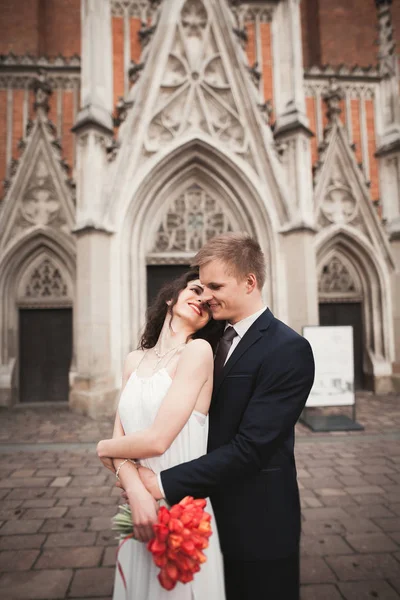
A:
(371, 277)
(18, 266)
(143, 202)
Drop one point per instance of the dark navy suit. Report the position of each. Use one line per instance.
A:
(249, 471)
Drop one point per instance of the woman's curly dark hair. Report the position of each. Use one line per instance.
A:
(157, 312)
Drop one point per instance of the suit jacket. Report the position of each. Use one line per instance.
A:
(249, 471)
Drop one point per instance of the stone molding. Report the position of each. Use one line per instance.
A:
(141, 9)
(17, 71)
(354, 72)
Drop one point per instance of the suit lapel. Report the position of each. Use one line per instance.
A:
(252, 335)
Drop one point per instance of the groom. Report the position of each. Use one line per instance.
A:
(263, 374)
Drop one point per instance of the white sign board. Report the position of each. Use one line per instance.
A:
(334, 365)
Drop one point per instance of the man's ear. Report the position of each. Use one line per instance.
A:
(251, 282)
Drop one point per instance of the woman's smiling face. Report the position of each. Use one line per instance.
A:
(190, 306)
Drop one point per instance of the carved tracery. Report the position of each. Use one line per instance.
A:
(195, 91)
(336, 278)
(339, 204)
(46, 282)
(192, 219)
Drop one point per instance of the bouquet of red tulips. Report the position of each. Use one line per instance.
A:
(181, 535)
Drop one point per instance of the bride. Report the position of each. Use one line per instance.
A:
(162, 420)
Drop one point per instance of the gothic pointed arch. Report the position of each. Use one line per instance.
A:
(196, 90)
(42, 258)
(39, 192)
(198, 186)
(350, 264)
(341, 193)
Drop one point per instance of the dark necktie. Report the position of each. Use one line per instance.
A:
(223, 348)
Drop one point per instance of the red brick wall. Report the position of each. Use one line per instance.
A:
(373, 162)
(135, 44)
(310, 107)
(18, 99)
(343, 31)
(266, 49)
(118, 56)
(19, 26)
(60, 27)
(251, 43)
(68, 121)
(39, 27)
(3, 137)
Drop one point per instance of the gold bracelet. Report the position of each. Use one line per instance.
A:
(121, 465)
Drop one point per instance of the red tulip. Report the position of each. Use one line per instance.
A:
(172, 571)
(158, 548)
(175, 526)
(160, 561)
(176, 511)
(165, 580)
(163, 515)
(185, 577)
(186, 500)
(161, 532)
(200, 556)
(200, 503)
(175, 541)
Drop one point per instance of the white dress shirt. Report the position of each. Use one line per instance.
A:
(241, 327)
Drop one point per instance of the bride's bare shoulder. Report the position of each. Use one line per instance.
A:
(199, 350)
(131, 361)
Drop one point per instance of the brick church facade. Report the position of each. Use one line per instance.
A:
(131, 131)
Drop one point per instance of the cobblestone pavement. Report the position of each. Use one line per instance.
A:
(56, 502)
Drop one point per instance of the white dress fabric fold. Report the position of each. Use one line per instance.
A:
(138, 406)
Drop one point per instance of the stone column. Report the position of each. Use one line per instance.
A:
(93, 389)
(292, 135)
(388, 153)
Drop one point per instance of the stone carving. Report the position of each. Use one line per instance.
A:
(42, 90)
(332, 99)
(336, 278)
(46, 282)
(121, 111)
(40, 204)
(386, 56)
(134, 71)
(195, 92)
(192, 219)
(339, 204)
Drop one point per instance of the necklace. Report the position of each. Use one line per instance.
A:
(160, 356)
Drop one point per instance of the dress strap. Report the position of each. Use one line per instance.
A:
(141, 360)
(173, 354)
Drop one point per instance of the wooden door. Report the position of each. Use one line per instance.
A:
(45, 351)
(157, 275)
(347, 313)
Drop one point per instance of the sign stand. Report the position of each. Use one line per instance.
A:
(334, 378)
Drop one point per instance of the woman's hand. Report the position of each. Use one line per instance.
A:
(144, 512)
(108, 463)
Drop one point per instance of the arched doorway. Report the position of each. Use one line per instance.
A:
(340, 303)
(37, 291)
(188, 199)
(45, 333)
(354, 289)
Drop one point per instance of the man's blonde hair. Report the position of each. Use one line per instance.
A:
(240, 252)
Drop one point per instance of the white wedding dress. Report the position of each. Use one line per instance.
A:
(138, 406)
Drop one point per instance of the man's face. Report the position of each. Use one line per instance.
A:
(225, 295)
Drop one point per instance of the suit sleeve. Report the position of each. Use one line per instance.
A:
(281, 391)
